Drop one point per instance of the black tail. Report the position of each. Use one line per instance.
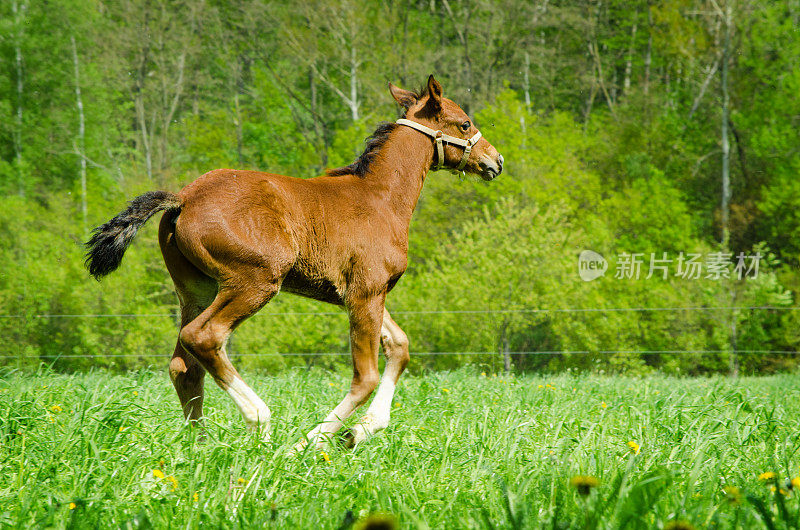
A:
(110, 240)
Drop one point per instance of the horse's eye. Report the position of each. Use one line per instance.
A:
(465, 126)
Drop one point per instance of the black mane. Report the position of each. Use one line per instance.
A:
(374, 142)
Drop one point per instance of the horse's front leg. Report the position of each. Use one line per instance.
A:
(366, 317)
(395, 348)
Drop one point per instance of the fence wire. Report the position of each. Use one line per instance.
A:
(437, 312)
(427, 353)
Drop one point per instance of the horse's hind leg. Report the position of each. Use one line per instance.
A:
(205, 338)
(395, 348)
(186, 373)
(195, 292)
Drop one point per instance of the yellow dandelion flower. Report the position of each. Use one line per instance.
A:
(541, 386)
(240, 480)
(158, 473)
(56, 408)
(603, 405)
(767, 476)
(733, 494)
(634, 447)
(772, 489)
(795, 482)
(445, 390)
(397, 405)
(135, 393)
(326, 457)
(195, 497)
(584, 483)
(552, 452)
(72, 506)
(173, 482)
(483, 374)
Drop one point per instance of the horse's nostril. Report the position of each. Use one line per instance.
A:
(500, 161)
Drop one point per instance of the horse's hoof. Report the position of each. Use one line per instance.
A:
(298, 449)
(348, 438)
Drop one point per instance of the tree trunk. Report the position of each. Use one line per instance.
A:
(649, 51)
(526, 82)
(19, 12)
(353, 83)
(709, 75)
(726, 148)
(733, 360)
(626, 83)
(506, 353)
(81, 147)
(526, 85)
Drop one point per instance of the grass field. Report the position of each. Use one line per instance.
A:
(465, 450)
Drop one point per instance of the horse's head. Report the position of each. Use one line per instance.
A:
(457, 143)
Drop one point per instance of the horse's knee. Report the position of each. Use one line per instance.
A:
(395, 346)
(363, 386)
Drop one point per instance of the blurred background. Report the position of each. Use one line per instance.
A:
(627, 127)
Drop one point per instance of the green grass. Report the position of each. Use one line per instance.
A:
(463, 451)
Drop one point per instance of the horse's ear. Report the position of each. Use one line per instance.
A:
(435, 94)
(405, 98)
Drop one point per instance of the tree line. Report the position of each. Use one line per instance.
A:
(646, 127)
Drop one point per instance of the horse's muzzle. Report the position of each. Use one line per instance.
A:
(490, 169)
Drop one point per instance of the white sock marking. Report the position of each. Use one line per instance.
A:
(255, 411)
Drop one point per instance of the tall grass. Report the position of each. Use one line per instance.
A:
(464, 450)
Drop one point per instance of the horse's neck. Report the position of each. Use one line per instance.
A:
(398, 172)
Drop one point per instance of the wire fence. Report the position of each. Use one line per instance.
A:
(413, 353)
(442, 311)
(439, 311)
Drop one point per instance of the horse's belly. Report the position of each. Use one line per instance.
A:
(317, 289)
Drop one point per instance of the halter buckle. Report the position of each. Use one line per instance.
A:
(439, 150)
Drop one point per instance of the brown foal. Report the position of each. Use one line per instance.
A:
(232, 239)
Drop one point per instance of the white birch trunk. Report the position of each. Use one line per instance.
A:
(626, 83)
(353, 82)
(726, 155)
(81, 147)
(18, 11)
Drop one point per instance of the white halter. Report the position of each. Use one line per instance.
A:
(439, 137)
